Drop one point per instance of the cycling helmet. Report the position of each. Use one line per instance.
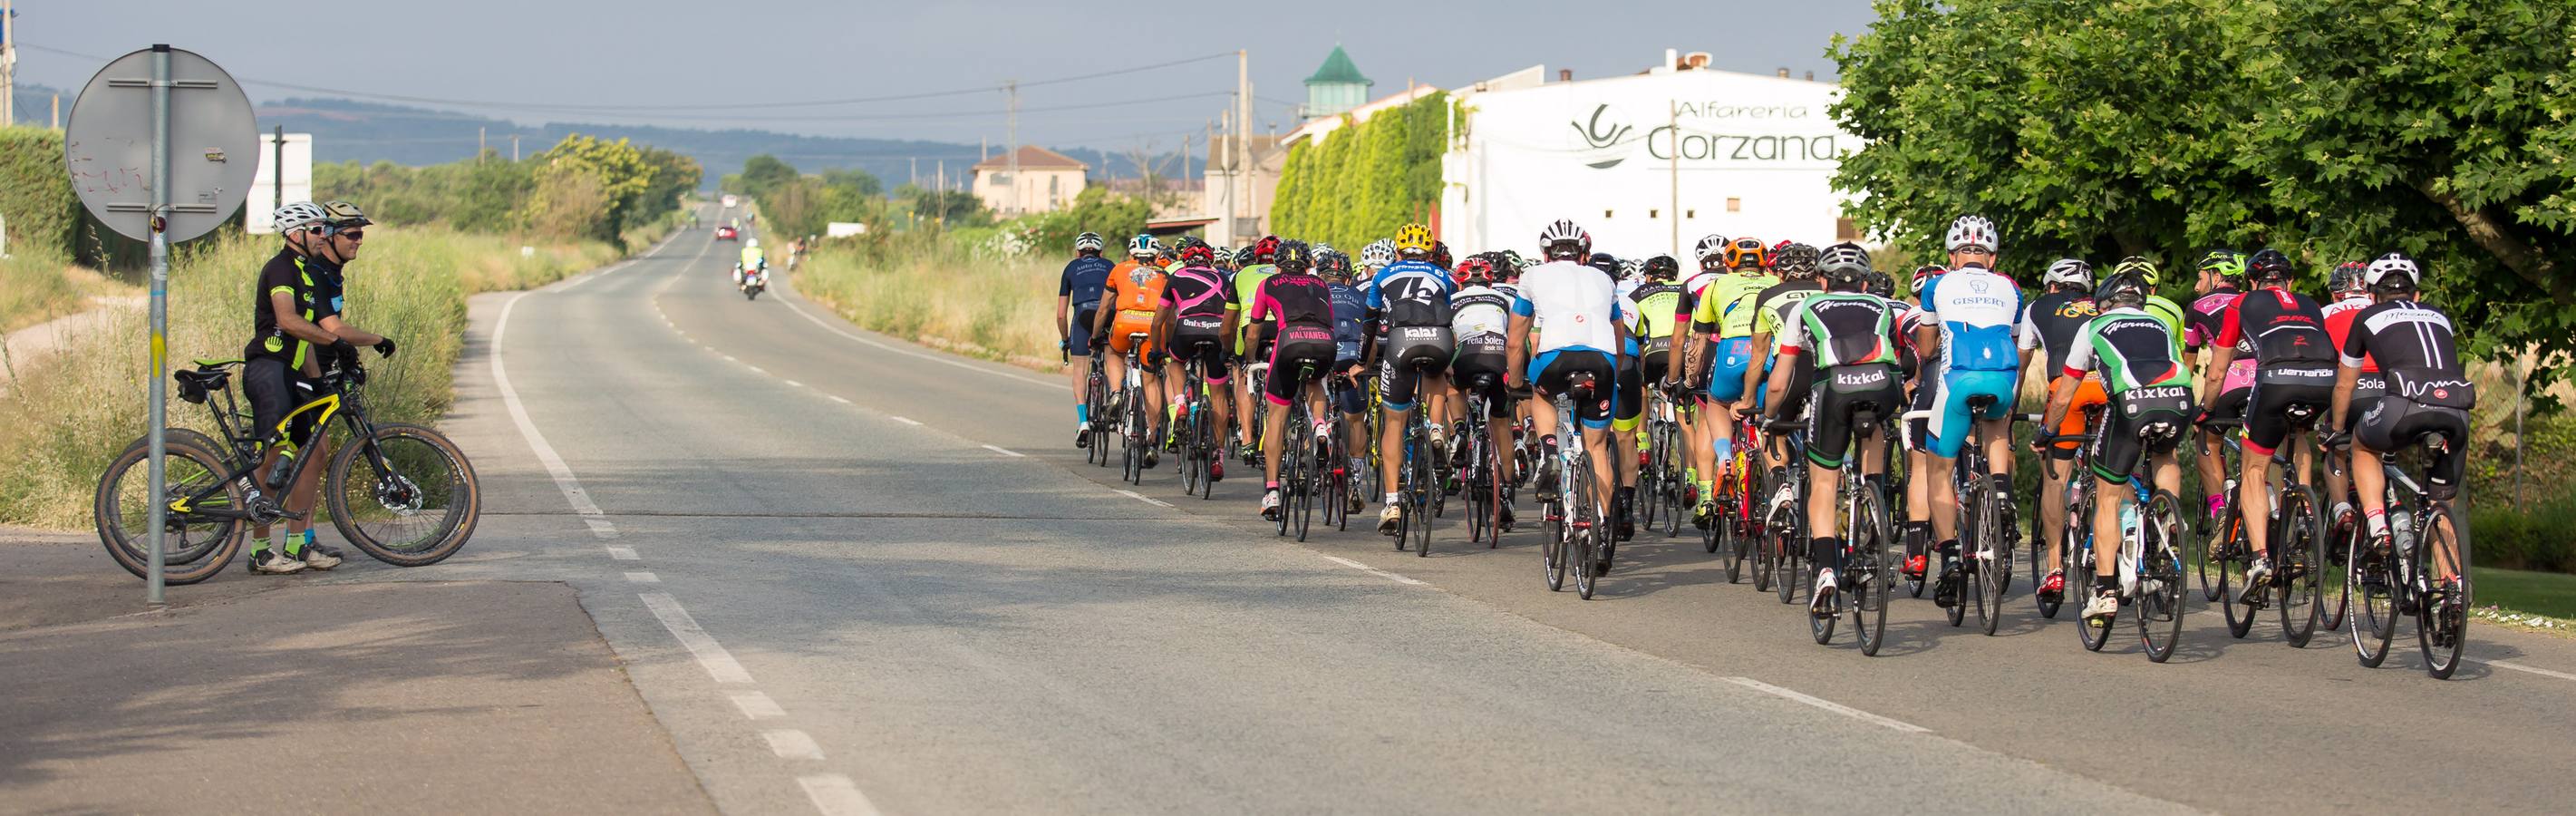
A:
(1783, 244)
(1795, 260)
(1293, 256)
(1512, 262)
(2347, 278)
(1843, 264)
(2070, 272)
(2144, 269)
(1660, 267)
(2269, 264)
(1378, 253)
(2123, 288)
(2394, 272)
(342, 215)
(1927, 272)
(1143, 246)
(1564, 241)
(1322, 249)
(1196, 251)
(1880, 284)
(299, 215)
(1476, 269)
(1440, 254)
(1089, 242)
(1413, 239)
(1605, 262)
(1711, 248)
(1244, 257)
(1266, 249)
(751, 242)
(1331, 261)
(2229, 264)
(1972, 231)
(1747, 253)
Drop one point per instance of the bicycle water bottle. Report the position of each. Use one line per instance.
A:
(2129, 549)
(2128, 521)
(2401, 529)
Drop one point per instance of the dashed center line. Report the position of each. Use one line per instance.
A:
(836, 795)
(2520, 668)
(904, 419)
(643, 578)
(789, 743)
(624, 554)
(1142, 498)
(793, 383)
(1828, 705)
(999, 449)
(756, 705)
(1373, 570)
(839, 399)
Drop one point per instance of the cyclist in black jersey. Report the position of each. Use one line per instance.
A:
(1796, 265)
(298, 326)
(2049, 325)
(2428, 390)
(1847, 337)
(2135, 358)
(1301, 305)
(2294, 372)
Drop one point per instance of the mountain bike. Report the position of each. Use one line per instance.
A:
(2394, 579)
(401, 493)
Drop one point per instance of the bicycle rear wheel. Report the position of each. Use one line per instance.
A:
(1993, 555)
(414, 509)
(2298, 565)
(1420, 496)
(2442, 615)
(2338, 579)
(1552, 544)
(1874, 556)
(194, 546)
(1787, 551)
(2374, 592)
(2232, 558)
(1589, 526)
(2160, 576)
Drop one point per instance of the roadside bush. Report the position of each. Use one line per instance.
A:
(2539, 535)
(35, 195)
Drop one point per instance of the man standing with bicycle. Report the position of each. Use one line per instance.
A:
(297, 325)
(1848, 340)
(2293, 368)
(1969, 316)
(2145, 385)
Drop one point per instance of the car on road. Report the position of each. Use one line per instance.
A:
(727, 234)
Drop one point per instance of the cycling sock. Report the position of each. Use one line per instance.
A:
(1547, 441)
(259, 545)
(1950, 549)
(1392, 498)
(1082, 414)
(1821, 551)
(2379, 522)
(294, 543)
(2106, 583)
(1917, 533)
(1270, 485)
(2216, 501)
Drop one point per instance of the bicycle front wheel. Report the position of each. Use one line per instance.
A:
(2442, 614)
(406, 496)
(1589, 527)
(1874, 556)
(194, 546)
(2298, 565)
(2160, 575)
(2374, 593)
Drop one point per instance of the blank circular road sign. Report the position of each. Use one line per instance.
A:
(213, 144)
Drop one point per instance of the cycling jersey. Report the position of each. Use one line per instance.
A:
(2286, 334)
(1480, 311)
(2051, 322)
(1136, 291)
(1197, 292)
(1302, 306)
(1842, 328)
(315, 286)
(1726, 307)
(2131, 348)
(1412, 293)
(1656, 309)
(2339, 316)
(2200, 329)
(1976, 309)
(1083, 279)
(2427, 389)
(2403, 335)
(1247, 285)
(1772, 308)
(2164, 311)
(1574, 302)
(1350, 322)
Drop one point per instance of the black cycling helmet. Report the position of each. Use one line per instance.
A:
(1796, 261)
(1662, 268)
(2123, 288)
(2269, 264)
(1604, 262)
(1243, 257)
(1293, 256)
(1880, 284)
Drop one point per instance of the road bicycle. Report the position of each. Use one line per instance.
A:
(2393, 577)
(1199, 448)
(1734, 526)
(1103, 421)
(1480, 468)
(400, 493)
(1418, 483)
(2297, 543)
(2153, 540)
(1660, 486)
(1866, 575)
(2077, 529)
(1783, 542)
(1299, 477)
(1135, 420)
(1987, 532)
(1574, 535)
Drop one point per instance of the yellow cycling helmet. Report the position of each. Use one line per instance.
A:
(2144, 269)
(1413, 239)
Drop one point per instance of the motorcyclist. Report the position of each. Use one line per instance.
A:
(754, 260)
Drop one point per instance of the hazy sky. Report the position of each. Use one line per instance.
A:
(542, 56)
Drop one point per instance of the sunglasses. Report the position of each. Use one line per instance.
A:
(1976, 251)
(351, 234)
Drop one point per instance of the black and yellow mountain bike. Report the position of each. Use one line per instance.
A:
(402, 493)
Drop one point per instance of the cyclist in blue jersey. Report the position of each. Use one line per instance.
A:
(1409, 301)
(1077, 297)
(1351, 347)
(1969, 315)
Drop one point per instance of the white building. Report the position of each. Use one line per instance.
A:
(1047, 180)
(1648, 163)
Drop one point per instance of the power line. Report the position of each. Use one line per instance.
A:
(531, 106)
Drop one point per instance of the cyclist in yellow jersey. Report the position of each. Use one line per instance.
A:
(755, 261)
(1796, 266)
(1726, 312)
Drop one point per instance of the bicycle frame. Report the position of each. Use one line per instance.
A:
(245, 448)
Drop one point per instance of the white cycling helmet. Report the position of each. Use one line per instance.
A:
(1143, 246)
(1972, 231)
(751, 242)
(2069, 270)
(1564, 231)
(1844, 260)
(1089, 242)
(1713, 246)
(299, 215)
(1378, 253)
(2394, 263)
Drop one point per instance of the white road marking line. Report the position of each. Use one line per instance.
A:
(2520, 668)
(1141, 497)
(728, 358)
(793, 383)
(756, 705)
(643, 578)
(999, 449)
(839, 399)
(554, 464)
(754, 369)
(903, 419)
(600, 527)
(624, 554)
(1371, 570)
(789, 743)
(1828, 705)
(836, 795)
(711, 655)
(791, 306)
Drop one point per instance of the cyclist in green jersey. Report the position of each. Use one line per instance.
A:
(1799, 278)
(2140, 360)
(1847, 338)
(1724, 314)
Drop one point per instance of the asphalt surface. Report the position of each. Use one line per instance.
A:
(852, 574)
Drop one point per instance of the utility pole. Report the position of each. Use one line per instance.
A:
(1011, 90)
(8, 64)
(916, 171)
(58, 111)
(1242, 139)
(482, 143)
(514, 148)
(1675, 121)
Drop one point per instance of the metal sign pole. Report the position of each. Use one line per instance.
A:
(156, 395)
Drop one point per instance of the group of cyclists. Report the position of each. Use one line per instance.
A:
(1792, 343)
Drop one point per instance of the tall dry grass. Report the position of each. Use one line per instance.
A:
(997, 310)
(68, 414)
(35, 288)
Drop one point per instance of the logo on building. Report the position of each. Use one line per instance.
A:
(1607, 141)
(1602, 137)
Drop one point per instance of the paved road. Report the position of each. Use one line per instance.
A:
(852, 574)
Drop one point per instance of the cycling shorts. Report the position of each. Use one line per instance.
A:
(2285, 398)
(1412, 353)
(2140, 422)
(1205, 349)
(1553, 372)
(2366, 392)
(2240, 374)
(1951, 419)
(1802, 381)
(2394, 422)
(1657, 363)
(1876, 388)
(2088, 393)
(1479, 371)
(275, 391)
(1628, 398)
(1078, 336)
(1351, 397)
(1726, 374)
(1129, 322)
(1298, 347)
